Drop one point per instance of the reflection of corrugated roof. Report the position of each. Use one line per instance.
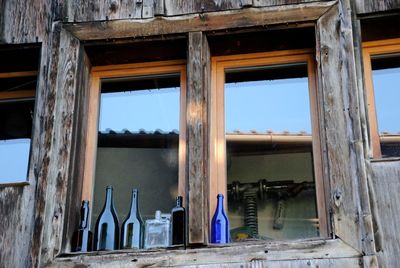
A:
(140, 131)
(244, 136)
(175, 131)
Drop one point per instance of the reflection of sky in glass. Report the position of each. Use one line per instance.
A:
(387, 96)
(143, 109)
(277, 105)
(14, 160)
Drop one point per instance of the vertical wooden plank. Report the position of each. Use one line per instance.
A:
(159, 8)
(148, 9)
(2, 7)
(26, 23)
(196, 116)
(77, 153)
(341, 121)
(51, 198)
(42, 137)
(373, 6)
(177, 7)
(246, 3)
(370, 262)
(91, 144)
(320, 185)
(130, 9)
(385, 186)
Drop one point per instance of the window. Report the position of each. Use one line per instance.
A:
(17, 100)
(265, 151)
(382, 75)
(136, 137)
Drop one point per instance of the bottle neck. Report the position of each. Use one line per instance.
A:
(179, 202)
(84, 215)
(109, 201)
(134, 202)
(220, 203)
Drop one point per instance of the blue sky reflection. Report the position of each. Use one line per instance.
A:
(13, 167)
(143, 109)
(277, 105)
(387, 96)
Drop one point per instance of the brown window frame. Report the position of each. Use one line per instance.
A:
(16, 95)
(218, 177)
(130, 70)
(370, 49)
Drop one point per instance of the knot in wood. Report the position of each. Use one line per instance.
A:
(338, 197)
(325, 50)
(113, 6)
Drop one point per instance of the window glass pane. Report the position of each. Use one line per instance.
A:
(15, 139)
(265, 94)
(386, 79)
(138, 144)
(271, 190)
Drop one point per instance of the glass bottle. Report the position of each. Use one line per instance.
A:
(220, 224)
(132, 227)
(157, 230)
(82, 238)
(107, 228)
(178, 223)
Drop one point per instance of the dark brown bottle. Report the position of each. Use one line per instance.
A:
(178, 223)
(106, 234)
(82, 238)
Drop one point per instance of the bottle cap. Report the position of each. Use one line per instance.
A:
(158, 215)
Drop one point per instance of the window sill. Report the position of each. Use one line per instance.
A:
(13, 184)
(215, 254)
(388, 159)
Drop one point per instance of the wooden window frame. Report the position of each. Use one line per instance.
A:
(218, 176)
(370, 49)
(20, 94)
(130, 70)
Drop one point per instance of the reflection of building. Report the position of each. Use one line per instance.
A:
(59, 59)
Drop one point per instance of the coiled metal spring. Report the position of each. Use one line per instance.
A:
(250, 212)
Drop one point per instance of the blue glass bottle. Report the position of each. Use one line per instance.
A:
(106, 235)
(220, 224)
(132, 227)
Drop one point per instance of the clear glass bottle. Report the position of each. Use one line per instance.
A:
(178, 223)
(220, 224)
(157, 232)
(82, 238)
(106, 234)
(132, 227)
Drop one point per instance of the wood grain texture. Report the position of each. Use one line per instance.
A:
(346, 172)
(372, 6)
(20, 206)
(385, 185)
(53, 173)
(260, 3)
(303, 263)
(264, 253)
(26, 23)
(200, 22)
(77, 151)
(197, 135)
(78, 11)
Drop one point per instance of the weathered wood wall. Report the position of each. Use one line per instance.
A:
(32, 216)
(372, 6)
(384, 180)
(78, 10)
(26, 23)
